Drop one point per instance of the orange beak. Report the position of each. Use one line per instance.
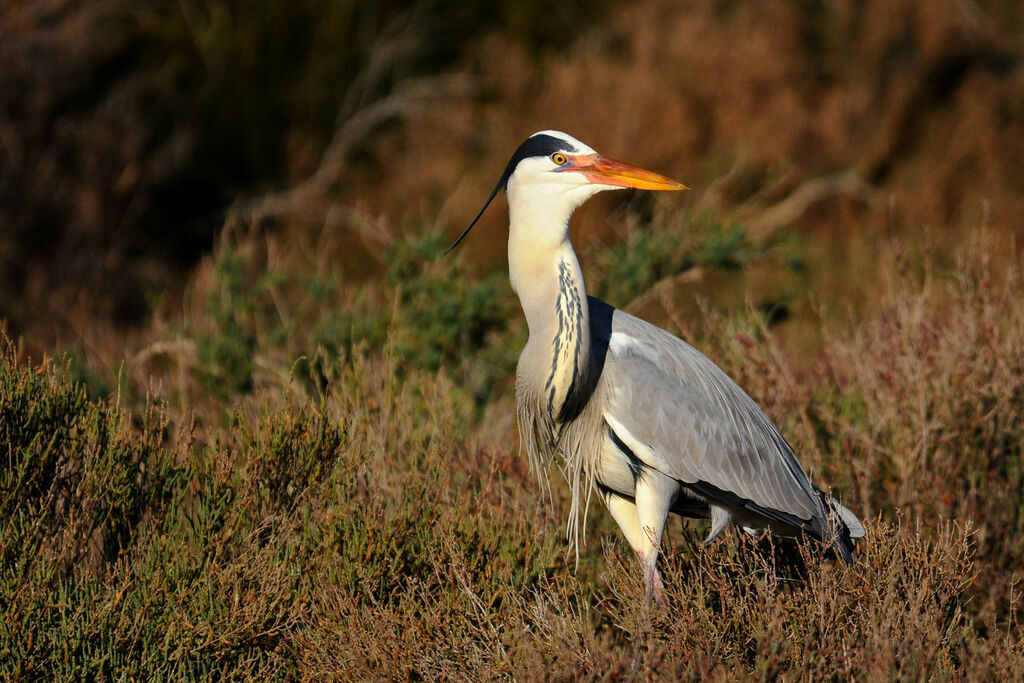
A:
(605, 171)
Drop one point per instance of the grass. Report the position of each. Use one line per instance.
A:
(379, 521)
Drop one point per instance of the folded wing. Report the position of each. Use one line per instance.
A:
(682, 415)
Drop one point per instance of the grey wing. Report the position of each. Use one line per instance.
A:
(682, 415)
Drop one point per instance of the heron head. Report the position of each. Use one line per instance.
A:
(556, 168)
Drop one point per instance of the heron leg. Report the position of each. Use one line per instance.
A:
(655, 494)
(642, 520)
(624, 512)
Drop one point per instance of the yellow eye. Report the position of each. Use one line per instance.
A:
(558, 158)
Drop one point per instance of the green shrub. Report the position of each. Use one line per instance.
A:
(667, 247)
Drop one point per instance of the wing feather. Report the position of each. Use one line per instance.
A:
(682, 415)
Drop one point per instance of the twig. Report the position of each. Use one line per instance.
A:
(353, 132)
(762, 223)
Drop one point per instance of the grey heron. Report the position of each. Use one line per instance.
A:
(633, 412)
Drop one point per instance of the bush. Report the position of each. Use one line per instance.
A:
(375, 530)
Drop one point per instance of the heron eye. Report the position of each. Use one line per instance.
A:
(558, 158)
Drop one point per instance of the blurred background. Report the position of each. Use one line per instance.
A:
(135, 135)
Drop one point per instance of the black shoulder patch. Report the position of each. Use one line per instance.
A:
(536, 146)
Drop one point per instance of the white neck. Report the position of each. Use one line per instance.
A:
(546, 276)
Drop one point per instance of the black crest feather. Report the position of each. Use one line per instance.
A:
(535, 146)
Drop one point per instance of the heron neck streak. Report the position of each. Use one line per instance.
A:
(557, 361)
